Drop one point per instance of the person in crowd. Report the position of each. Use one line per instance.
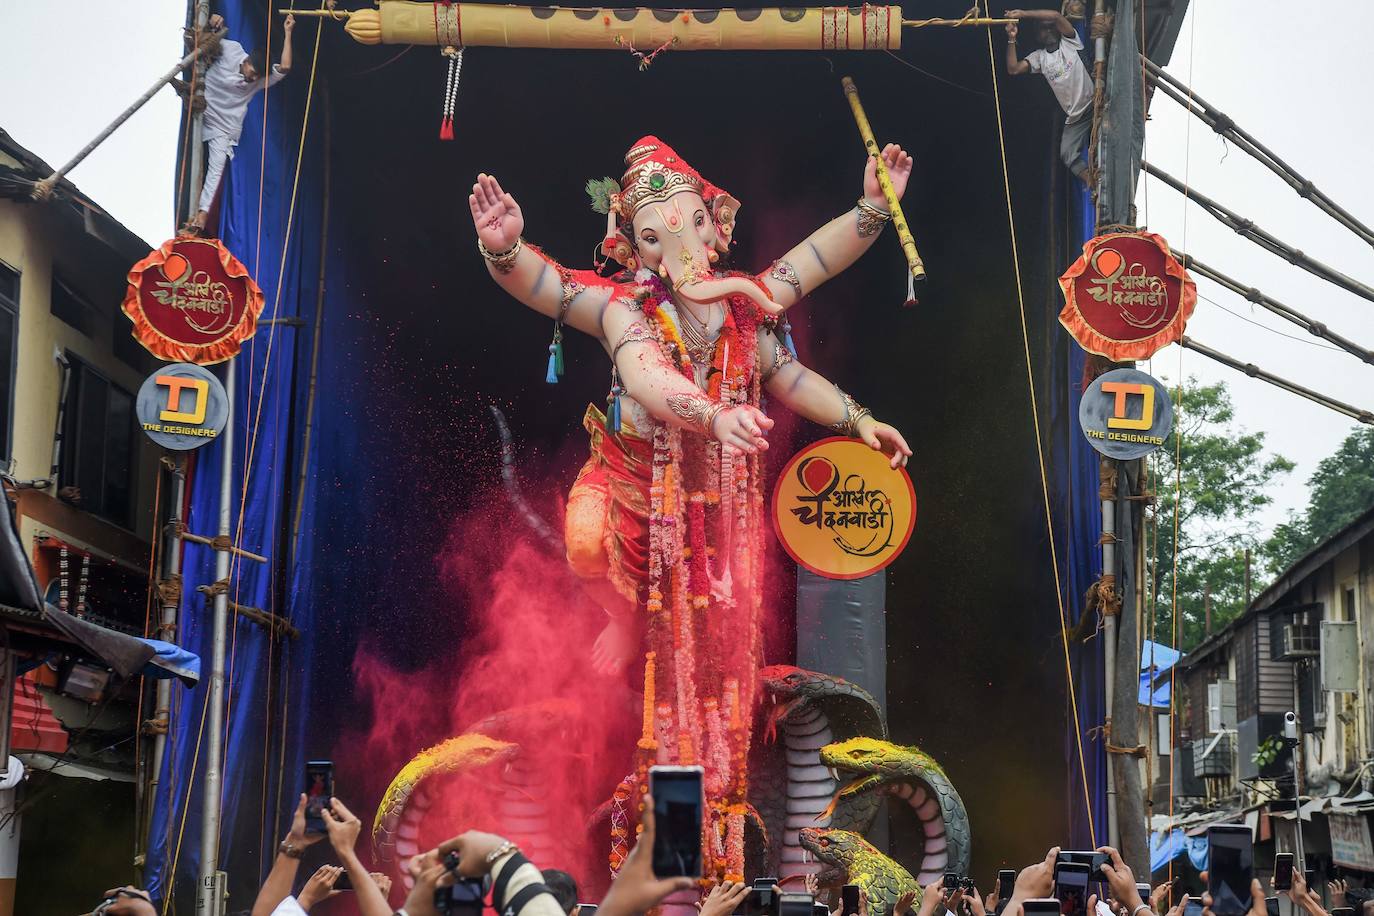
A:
(1057, 59)
(126, 901)
(725, 898)
(342, 827)
(563, 887)
(231, 81)
(518, 887)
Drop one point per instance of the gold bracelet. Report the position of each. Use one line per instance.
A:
(500, 851)
(871, 218)
(502, 261)
(853, 413)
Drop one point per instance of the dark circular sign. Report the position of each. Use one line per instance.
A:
(1126, 414)
(182, 406)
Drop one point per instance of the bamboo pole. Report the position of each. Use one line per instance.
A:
(43, 189)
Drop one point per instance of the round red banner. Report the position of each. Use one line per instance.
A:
(1126, 296)
(192, 301)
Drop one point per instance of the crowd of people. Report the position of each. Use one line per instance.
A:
(458, 875)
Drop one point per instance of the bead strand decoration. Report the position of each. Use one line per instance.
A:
(62, 577)
(455, 71)
(81, 585)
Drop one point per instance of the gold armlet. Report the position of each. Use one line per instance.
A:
(853, 413)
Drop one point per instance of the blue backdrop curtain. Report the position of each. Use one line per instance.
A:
(266, 687)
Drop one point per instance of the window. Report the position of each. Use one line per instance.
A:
(72, 307)
(1348, 603)
(9, 357)
(126, 347)
(98, 429)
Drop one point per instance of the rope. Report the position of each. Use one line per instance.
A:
(1039, 446)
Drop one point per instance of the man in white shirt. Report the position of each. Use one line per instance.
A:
(230, 84)
(1057, 59)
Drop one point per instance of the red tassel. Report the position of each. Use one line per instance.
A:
(446, 129)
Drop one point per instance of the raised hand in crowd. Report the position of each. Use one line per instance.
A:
(319, 887)
(1121, 881)
(1161, 895)
(1336, 890)
(635, 890)
(128, 901)
(725, 897)
(991, 901)
(1033, 882)
(933, 897)
(280, 879)
(975, 902)
(904, 902)
(343, 827)
(1304, 897)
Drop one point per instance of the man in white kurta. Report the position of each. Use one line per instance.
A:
(230, 84)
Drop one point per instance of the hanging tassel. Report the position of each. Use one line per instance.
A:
(613, 408)
(555, 368)
(787, 338)
(455, 71)
(910, 290)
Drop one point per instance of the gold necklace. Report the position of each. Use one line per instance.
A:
(700, 347)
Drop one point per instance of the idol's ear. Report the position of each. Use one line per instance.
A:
(724, 210)
(617, 247)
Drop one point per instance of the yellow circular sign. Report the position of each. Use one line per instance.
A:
(841, 511)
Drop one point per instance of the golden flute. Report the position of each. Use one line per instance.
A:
(913, 259)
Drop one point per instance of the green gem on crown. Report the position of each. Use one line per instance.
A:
(657, 181)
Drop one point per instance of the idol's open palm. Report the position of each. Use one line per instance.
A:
(495, 213)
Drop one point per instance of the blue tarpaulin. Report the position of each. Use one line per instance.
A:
(1167, 846)
(1161, 659)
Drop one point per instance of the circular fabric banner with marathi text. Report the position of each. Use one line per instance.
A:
(192, 301)
(1126, 296)
(1126, 414)
(841, 510)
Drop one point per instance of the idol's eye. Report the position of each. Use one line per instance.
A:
(701, 219)
(649, 238)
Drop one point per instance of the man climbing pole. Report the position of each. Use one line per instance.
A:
(1058, 60)
(230, 84)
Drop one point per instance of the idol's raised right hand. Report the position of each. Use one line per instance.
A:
(495, 213)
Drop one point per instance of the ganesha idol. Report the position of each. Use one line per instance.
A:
(665, 522)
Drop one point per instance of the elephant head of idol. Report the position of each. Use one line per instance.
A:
(667, 219)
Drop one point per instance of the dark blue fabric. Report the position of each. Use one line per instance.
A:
(262, 673)
(1073, 469)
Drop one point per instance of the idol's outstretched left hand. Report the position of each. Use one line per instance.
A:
(898, 169)
(886, 439)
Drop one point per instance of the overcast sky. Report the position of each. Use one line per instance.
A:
(1298, 88)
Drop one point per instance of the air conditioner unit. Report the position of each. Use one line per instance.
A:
(1295, 632)
(1212, 757)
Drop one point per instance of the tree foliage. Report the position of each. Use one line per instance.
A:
(1342, 488)
(1225, 479)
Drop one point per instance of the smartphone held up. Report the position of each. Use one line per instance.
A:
(319, 789)
(679, 805)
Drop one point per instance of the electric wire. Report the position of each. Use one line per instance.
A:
(1253, 295)
(1250, 369)
(1220, 122)
(1266, 240)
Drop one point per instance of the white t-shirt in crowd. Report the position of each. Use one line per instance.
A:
(1067, 76)
(289, 907)
(227, 93)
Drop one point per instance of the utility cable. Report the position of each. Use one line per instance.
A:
(1265, 240)
(1250, 369)
(1220, 122)
(1251, 294)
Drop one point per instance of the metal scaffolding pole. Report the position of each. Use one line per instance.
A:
(210, 893)
(170, 599)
